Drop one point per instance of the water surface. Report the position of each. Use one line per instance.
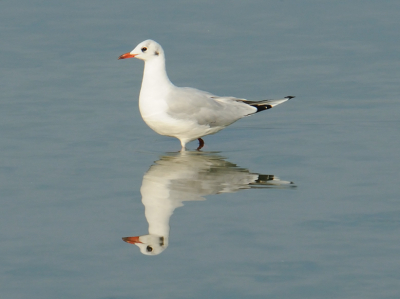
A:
(75, 151)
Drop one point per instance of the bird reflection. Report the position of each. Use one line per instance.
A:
(188, 176)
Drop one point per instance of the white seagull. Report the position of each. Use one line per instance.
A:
(183, 112)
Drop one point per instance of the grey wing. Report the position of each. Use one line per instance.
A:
(266, 104)
(206, 108)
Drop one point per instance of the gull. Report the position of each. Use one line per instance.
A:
(189, 176)
(183, 112)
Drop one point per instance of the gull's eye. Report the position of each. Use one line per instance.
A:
(149, 249)
(144, 49)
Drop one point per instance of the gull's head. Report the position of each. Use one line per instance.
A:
(148, 244)
(146, 51)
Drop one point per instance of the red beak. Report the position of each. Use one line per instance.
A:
(131, 240)
(127, 55)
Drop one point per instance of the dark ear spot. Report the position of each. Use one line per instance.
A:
(156, 53)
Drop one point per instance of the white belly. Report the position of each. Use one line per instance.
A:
(154, 113)
(187, 130)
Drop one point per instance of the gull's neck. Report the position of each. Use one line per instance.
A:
(155, 79)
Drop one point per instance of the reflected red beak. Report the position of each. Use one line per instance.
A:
(131, 240)
(127, 55)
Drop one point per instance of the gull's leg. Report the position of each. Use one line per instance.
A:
(201, 144)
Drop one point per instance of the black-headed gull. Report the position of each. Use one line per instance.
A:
(188, 176)
(182, 112)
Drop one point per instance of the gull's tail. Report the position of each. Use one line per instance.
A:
(268, 104)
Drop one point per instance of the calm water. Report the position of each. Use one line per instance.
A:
(75, 154)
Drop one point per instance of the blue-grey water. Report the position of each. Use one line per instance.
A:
(75, 152)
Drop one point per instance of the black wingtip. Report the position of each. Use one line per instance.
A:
(289, 97)
(262, 108)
